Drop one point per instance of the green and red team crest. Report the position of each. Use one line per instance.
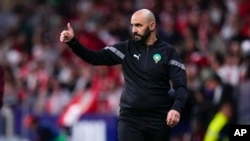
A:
(157, 57)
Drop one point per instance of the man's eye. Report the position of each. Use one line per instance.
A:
(138, 25)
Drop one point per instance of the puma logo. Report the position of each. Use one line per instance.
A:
(137, 56)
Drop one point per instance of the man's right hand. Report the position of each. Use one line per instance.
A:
(67, 35)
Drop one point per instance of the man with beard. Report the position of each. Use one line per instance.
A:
(151, 67)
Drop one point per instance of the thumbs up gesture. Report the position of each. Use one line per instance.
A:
(67, 35)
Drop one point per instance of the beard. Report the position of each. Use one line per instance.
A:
(142, 38)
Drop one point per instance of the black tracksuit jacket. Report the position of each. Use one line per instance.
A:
(147, 73)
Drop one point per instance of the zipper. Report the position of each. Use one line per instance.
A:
(146, 59)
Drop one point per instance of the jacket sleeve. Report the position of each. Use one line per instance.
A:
(177, 74)
(109, 55)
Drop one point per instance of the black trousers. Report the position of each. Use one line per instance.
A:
(143, 131)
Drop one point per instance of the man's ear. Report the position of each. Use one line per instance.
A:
(152, 25)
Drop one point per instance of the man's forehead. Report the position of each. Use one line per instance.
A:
(137, 18)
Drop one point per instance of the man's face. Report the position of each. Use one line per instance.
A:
(140, 28)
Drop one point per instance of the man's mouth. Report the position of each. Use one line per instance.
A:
(137, 36)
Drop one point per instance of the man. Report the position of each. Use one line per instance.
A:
(147, 111)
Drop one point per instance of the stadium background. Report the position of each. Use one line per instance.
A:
(42, 77)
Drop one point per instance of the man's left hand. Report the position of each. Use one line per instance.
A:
(173, 118)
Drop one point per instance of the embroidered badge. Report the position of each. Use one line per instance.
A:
(157, 58)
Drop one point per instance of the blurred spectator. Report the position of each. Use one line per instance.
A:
(43, 130)
(218, 128)
(230, 71)
(1, 86)
(58, 98)
(216, 60)
(1, 96)
(214, 95)
(243, 97)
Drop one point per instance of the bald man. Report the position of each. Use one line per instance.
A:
(147, 112)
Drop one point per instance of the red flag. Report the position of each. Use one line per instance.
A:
(82, 103)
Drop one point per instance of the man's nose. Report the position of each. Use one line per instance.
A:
(134, 30)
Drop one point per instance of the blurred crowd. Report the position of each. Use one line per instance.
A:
(43, 76)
